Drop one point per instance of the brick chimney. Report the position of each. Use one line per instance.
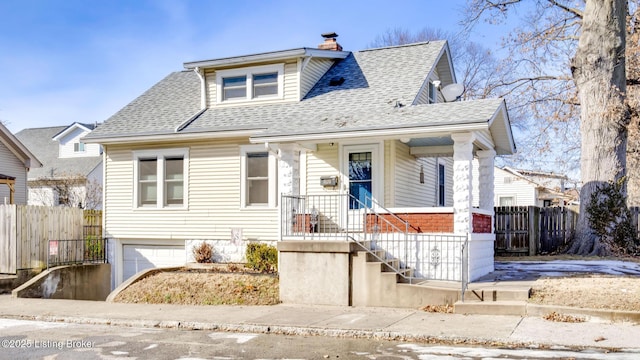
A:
(330, 42)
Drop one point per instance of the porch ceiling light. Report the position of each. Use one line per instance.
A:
(405, 140)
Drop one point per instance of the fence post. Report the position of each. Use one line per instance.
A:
(534, 226)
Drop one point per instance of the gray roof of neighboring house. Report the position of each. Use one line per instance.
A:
(375, 82)
(39, 142)
(18, 148)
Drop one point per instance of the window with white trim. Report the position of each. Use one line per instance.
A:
(433, 93)
(250, 84)
(160, 178)
(441, 184)
(258, 177)
(506, 201)
(78, 147)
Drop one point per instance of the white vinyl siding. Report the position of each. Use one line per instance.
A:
(423, 95)
(508, 185)
(69, 143)
(213, 193)
(12, 166)
(408, 190)
(323, 162)
(312, 72)
(291, 81)
(210, 79)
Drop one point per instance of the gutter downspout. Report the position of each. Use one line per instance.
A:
(203, 87)
(203, 100)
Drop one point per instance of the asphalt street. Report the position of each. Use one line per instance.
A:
(28, 339)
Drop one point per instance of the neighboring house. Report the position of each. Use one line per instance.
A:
(15, 161)
(514, 187)
(293, 145)
(71, 174)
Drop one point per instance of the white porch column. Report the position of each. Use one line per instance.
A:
(485, 169)
(288, 169)
(462, 182)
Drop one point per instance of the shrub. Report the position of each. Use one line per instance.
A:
(611, 218)
(93, 248)
(203, 253)
(262, 257)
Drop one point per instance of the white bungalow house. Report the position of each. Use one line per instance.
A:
(517, 187)
(15, 161)
(71, 174)
(323, 152)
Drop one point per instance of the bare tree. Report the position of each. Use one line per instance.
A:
(530, 97)
(633, 98)
(595, 32)
(67, 190)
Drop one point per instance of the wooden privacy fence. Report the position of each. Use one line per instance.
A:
(531, 230)
(26, 230)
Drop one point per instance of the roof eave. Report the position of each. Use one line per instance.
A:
(66, 130)
(269, 56)
(380, 133)
(126, 139)
(19, 149)
(508, 145)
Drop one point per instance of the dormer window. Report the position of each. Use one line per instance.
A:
(433, 93)
(265, 85)
(234, 87)
(78, 147)
(250, 84)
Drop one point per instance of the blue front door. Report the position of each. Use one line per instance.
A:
(360, 179)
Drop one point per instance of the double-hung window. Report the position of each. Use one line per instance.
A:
(250, 84)
(160, 178)
(258, 177)
(234, 87)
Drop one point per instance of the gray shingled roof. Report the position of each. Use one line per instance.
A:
(39, 142)
(376, 81)
(160, 110)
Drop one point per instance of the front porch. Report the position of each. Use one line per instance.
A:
(355, 251)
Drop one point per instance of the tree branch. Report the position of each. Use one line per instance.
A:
(574, 11)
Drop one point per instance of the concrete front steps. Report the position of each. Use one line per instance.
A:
(375, 284)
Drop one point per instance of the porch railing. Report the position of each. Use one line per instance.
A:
(68, 252)
(383, 234)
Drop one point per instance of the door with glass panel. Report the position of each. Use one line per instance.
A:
(361, 169)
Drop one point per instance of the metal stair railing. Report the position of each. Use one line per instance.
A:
(384, 235)
(378, 235)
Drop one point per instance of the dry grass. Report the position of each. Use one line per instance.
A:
(215, 286)
(589, 291)
(554, 316)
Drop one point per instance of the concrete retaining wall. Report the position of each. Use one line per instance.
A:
(315, 272)
(77, 282)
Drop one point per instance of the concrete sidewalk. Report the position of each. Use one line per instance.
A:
(382, 323)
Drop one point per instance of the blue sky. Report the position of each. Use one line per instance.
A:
(79, 60)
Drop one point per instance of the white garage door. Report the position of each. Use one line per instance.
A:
(136, 258)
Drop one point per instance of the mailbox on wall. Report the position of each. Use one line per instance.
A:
(329, 180)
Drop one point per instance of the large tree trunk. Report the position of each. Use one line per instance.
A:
(633, 99)
(599, 72)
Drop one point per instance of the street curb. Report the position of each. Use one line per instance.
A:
(304, 331)
(534, 310)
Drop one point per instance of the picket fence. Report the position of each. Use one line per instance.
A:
(26, 230)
